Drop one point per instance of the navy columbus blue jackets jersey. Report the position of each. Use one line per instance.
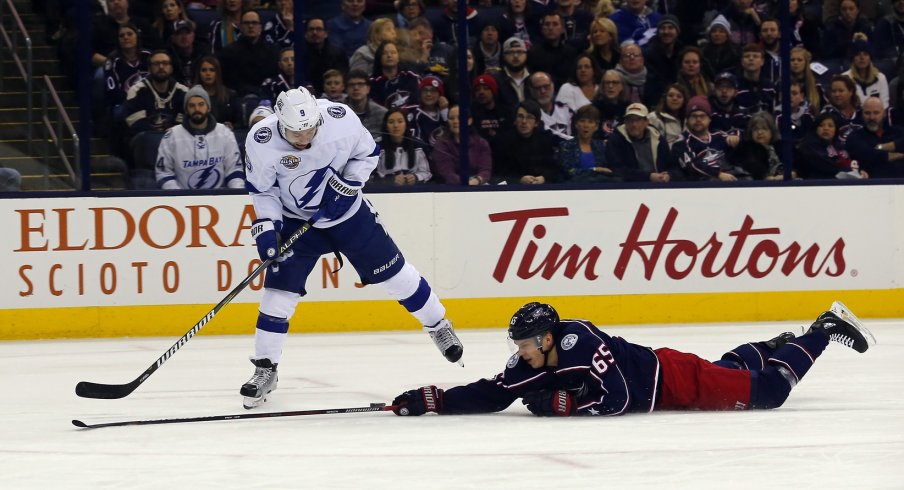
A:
(606, 376)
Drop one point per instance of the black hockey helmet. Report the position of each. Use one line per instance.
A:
(532, 320)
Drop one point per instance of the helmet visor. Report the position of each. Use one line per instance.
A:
(524, 346)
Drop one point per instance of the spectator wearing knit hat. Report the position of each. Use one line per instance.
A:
(427, 119)
(869, 80)
(702, 155)
(661, 53)
(719, 52)
(489, 117)
(200, 153)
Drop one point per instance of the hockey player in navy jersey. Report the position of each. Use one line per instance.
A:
(309, 162)
(570, 367)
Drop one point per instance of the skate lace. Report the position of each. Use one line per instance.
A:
(842, 339)
(444, 338)
(261, 376)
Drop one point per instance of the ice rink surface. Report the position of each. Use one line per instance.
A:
(842, 427)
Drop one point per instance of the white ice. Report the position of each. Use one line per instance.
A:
(842, 427)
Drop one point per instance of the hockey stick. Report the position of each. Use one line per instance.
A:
(87, 389)
(374, 407)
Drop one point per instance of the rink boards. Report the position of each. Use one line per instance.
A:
(145, 266)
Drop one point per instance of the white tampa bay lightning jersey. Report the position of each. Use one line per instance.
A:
(199, 159)
(286, 181)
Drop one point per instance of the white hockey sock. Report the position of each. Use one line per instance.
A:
(414, 293)
(268, 345)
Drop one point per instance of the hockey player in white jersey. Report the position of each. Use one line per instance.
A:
(307, 161)
(200, 153)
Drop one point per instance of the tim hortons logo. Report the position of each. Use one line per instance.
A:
(750, 250)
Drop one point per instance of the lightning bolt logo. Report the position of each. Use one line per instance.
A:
(202, 178)
(312, 186)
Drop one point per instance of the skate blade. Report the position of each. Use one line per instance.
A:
(845, 313)
(249, 402)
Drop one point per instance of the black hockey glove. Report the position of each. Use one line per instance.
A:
(419, 401)
(548, 403)
(338, 197)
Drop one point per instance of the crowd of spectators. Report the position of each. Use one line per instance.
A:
(561, 90)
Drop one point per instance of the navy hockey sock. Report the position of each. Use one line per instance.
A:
(750, 356)
(798, 355)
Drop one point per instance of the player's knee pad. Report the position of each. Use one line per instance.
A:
(279, 304)
(769, 388)
(404, 284)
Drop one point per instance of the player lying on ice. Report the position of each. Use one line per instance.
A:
(570, 367)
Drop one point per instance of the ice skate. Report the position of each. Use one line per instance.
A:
(256, 389)
(446, 341)
(844, 327)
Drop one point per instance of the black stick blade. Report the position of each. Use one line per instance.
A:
(79, 423)
(87, 389)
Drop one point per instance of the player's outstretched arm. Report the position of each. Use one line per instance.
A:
(483, 396)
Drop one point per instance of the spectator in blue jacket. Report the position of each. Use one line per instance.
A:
(583, 158)
(636, 21)
(348, 31)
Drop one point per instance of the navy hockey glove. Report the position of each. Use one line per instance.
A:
(419, 401)
(548, 403)
(265, 233)
(339, 196)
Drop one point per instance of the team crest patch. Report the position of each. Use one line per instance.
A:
(290, 161)
(569, 341)
(336, 111)
(263, 135)
(512, 361)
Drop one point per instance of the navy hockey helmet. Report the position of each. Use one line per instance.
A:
(532, 320)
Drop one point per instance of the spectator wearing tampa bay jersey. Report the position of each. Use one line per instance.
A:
(308, 163)
(571, 367)
(200, 153)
